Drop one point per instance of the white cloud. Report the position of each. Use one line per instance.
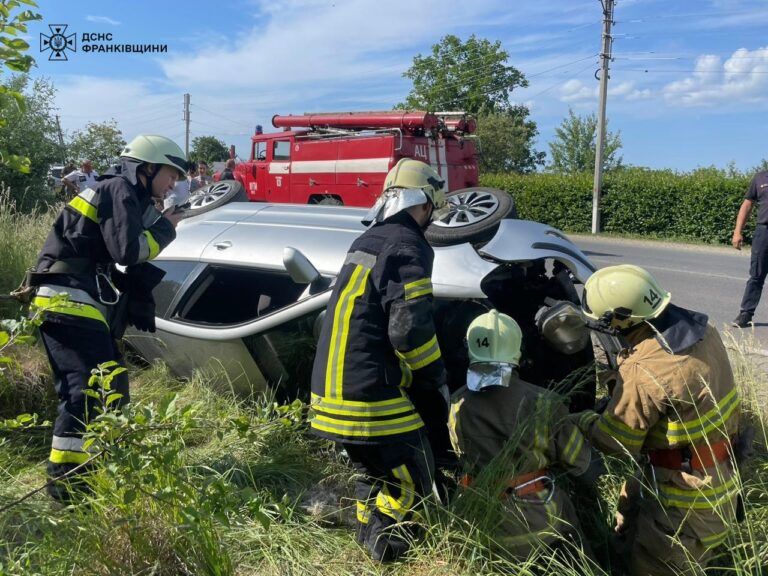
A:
(575, 91)
(102, 20)
(742, 78)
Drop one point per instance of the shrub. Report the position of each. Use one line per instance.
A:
(699, 205)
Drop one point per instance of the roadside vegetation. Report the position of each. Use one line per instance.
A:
(698, 206)
(193, 479)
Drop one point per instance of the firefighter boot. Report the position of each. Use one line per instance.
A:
(383, 543)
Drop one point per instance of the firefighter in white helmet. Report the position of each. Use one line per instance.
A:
(378, 383)
(513, 439)
(675, 410)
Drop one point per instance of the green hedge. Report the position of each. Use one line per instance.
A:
(700, 205)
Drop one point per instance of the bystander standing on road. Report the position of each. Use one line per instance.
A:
(758, 267)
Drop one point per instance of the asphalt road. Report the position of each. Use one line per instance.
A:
(707, 279)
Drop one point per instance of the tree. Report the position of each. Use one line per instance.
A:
(101, 143)
(574, 147)
(506, 142)
(474, 77)
(12, 57)
(208, 148)
(31, 133)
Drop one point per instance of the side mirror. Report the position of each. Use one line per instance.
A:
(302, 271)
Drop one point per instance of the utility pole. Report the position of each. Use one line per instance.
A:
(186, 121)
(605, 56)
(61, 142)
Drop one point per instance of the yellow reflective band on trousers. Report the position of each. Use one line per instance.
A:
(690, 431)
(334, 374)
(698, 499)
(573, 446)
(67, 457)
(398, 508)
(422, 356)
(363, 512)
(612, 426)
(715, 539)
(366, 428)
(68, 307)
(154, 247)
(418, 288)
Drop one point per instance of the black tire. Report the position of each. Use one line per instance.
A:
(330, 201)
(214, 195)
(474, 215)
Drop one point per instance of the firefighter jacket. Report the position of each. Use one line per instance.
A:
(378, 338)
(114, 222)
(676, 407)
(509, 436)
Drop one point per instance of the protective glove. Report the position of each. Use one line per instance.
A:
(141, 314)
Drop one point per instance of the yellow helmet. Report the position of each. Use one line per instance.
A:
(416, 175)
(629, 294)
(494, 337)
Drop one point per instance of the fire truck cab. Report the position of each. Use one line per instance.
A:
(343, 158)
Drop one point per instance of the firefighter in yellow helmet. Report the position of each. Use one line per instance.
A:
(675, 410)
(513, 440)
(378, 382)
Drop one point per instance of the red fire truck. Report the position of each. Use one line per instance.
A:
(343, 158)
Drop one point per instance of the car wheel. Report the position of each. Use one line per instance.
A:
(473, 216)
(213, 196)
(331, 201)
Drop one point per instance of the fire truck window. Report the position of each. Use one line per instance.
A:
(282, 150)
(260, 151)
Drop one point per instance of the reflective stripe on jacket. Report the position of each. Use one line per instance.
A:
(378, 338)
(501, 433)
(665, 401)
(115, 222)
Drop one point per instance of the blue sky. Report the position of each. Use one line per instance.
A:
(688, 86)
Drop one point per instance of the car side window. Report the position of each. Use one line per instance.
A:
(176, 273)
(225, 295)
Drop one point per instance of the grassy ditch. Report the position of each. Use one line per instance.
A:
(194, 480)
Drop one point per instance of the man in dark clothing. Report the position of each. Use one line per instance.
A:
(228, 172)
(115, 222)
(378, 381)
(758, 267)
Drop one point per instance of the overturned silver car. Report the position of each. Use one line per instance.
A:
(247, 284)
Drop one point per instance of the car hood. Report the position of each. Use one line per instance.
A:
(524, 241)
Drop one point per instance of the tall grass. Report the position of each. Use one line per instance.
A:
(219, 485)
(23, 234)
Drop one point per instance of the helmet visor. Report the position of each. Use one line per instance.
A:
(393, 201)
(481, 375)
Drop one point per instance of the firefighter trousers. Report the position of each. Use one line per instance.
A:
(75, 347)
(392, 479)
(665, 541)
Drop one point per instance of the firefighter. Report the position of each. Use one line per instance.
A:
(512, 439)
(675, 410)
(115, 222)
(378, 375)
